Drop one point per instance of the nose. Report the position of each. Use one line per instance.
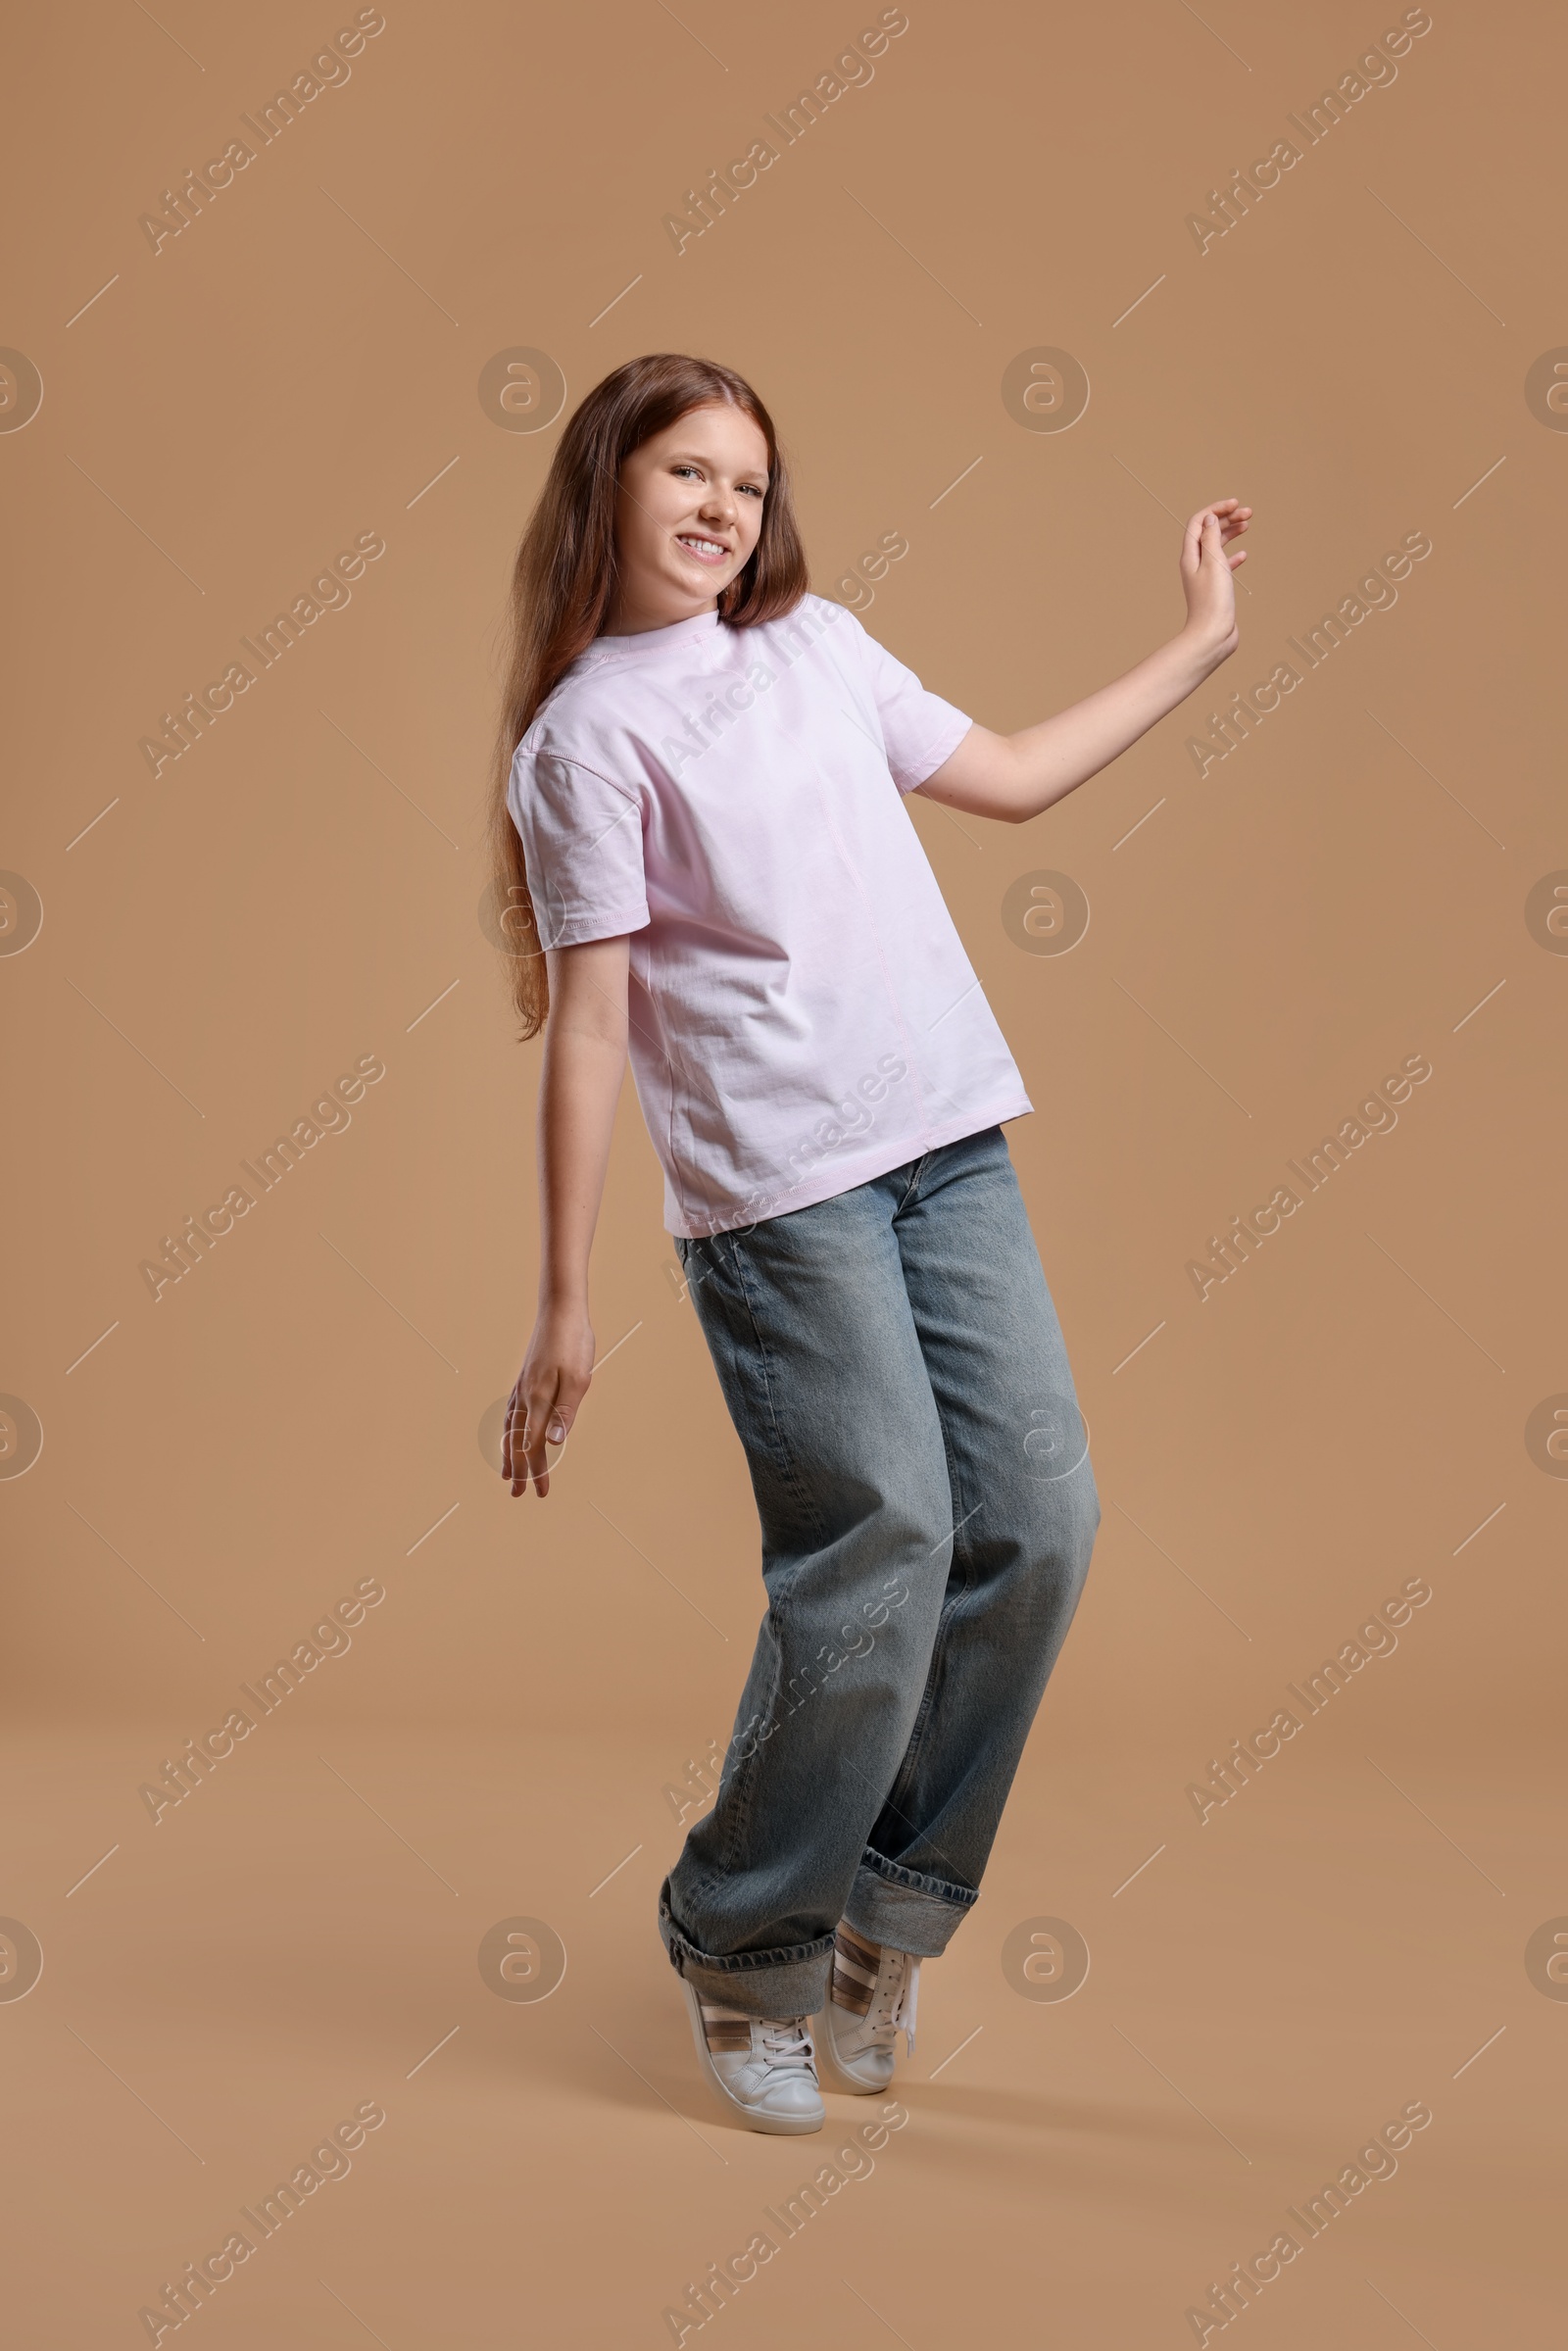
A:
(719, 505)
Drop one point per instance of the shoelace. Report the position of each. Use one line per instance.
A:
(893, 2008)
(786, 2042)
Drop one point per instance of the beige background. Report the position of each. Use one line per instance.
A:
(300, 366)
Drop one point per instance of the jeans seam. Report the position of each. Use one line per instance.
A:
(744, 1784)
(950, 1603)
(742, 1780)
(930, 1699)
(804, 1496)
(743, 1788)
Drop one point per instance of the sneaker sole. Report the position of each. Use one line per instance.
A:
(830, 2072)
(776, 2125)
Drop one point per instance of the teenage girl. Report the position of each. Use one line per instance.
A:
(699, 839)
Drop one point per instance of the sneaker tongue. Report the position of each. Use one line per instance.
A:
(893, 2008)
(909, 1997)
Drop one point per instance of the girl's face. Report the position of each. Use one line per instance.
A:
(688, 516)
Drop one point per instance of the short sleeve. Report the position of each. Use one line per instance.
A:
(582, 840)
(918, 729)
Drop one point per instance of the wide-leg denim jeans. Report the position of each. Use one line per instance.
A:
(895, 1370)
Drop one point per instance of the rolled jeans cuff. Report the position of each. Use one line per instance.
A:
(790, 1982)
(904, 1909)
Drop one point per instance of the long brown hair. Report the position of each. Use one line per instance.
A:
(564, 586)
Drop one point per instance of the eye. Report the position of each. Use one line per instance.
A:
(753, 489)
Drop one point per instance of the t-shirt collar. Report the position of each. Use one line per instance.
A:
(654, 641)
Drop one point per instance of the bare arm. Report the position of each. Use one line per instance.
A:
(1014, 776)
(584, 1061)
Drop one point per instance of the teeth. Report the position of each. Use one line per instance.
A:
(703, 545)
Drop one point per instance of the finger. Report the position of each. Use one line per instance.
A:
(544, 1425)
(525, 1411)
(516, 1428)
(526, 1468)
(511, 1441)
(525, 1458)
(538, 1461)
(1230, 514)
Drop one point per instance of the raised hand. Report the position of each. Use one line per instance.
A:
(1207, 566)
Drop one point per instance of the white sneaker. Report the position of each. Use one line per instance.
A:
(872, 1998)
(762, 2067)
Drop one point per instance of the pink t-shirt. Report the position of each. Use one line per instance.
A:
(802, 1014)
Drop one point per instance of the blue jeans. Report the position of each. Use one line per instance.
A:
(896, 1372)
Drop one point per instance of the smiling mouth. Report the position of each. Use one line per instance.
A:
(705, 551)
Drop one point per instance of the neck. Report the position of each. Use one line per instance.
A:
(628, 619)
